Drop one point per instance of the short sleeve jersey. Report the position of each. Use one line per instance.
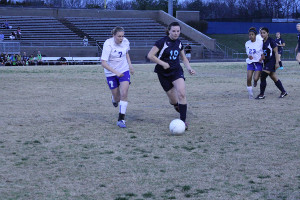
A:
(279, 41)
(254, 49)
(268, 47)
(169, 51)
(115, 56)
(188, 49)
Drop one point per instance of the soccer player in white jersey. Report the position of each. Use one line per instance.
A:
(254, 50)
(117, 65)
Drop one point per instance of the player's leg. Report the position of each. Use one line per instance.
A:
(280, 63)
(298, 57)
(263, 84)
(278, 84)
(249, 84)
(113, 84)
(179, 85)
(173, 98)
(124, 86)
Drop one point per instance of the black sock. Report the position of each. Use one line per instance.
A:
(121, 116)
(279, 85)
(280, 63)
(182, 111)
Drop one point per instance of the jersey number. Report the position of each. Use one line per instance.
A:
(252, 51)
(173, 56)
(120, 52)
(111, 84)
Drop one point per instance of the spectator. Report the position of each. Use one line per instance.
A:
(31, 60)
(12, 36)
(188, 51)
(25, 59)
(13, 59)
(19, 60)
(85, 41)
(7, 60)
(2, 59)
(6, 25)
(1, 37)
(19, 34)
(39, 58)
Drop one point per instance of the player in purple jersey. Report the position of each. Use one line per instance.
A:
(165, 53)
(117, 65)
(298, 44)
(271, 63)
(280, 44)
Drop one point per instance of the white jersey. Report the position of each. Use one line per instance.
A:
(115, 56)
(254, 49)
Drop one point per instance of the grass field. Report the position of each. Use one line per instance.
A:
(59, 138)
(238, 43)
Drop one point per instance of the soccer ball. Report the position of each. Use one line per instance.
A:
(177, 126)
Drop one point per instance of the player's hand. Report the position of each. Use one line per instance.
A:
(166, 65)
(191, 71)
(250, 57)
(131, 70)
(120, 75)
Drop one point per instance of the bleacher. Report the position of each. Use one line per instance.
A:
(41, 31)
(139, 31)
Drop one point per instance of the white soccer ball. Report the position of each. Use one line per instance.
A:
(177, 126)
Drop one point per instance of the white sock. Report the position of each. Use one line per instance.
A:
(123, 106)
(249, 88)
(112, 98)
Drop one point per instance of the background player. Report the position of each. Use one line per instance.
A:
(271, 63)
(280, 44)
(117, 64)
(165, 53)
(297, 49)
(254, 61)
(188, 52)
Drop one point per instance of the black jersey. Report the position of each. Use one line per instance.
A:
(268, 47)
(279, 41)
(188, 49)
(169, 51)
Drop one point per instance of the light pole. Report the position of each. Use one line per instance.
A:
(170, 7)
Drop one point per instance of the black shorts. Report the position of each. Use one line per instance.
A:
(280, 51)
(269, 66)
(166, 81)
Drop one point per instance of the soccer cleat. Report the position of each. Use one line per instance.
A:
(283, 94)
(186, 126)
(260, 97)
(251, 96)
(281, 67)
(115, 104)
(121, 124)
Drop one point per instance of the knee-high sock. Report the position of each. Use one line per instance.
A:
(123, 107)
(263, 82)
(280, 86)
(250, 91)
(280, 63)
(182, 111)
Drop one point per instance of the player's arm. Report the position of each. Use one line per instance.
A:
(106, 66)
(152, 56)
(129, 63)
(186, 63)
(276, 57)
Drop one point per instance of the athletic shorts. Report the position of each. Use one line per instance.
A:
(114, 81)
(256, 66)
(280, 51)
(269, 66)
(166, 81)
(188, 55)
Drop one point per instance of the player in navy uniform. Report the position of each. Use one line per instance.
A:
(271, 63)
(298, 44)
(280, 44)
(165, 53)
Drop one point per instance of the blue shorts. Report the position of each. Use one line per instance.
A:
(256, 66)
(166, 81)
(114, 81)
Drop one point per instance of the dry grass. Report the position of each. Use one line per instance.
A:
(59, 138)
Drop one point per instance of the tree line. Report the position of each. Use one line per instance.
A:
(209, 9)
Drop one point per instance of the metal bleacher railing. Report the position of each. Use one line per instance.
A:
(10, 47)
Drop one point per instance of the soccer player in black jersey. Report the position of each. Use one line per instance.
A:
(165, 53)
(298, 44)
(280, 44)
(271, 63)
